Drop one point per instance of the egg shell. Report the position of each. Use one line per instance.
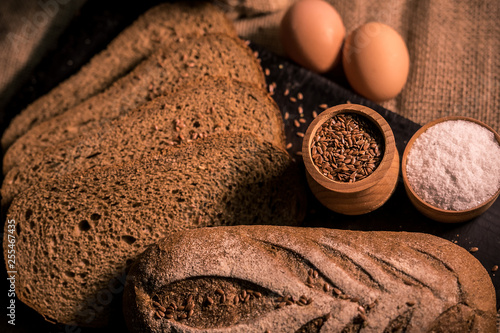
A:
(376, 61)
(312, 34)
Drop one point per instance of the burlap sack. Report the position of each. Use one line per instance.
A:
(27, 30)
(454, 49)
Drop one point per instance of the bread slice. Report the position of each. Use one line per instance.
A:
(284, 279)
(156, 28)
(193, 61)
(217, 106)
(76, 235)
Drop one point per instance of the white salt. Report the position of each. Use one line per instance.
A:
(454, 165)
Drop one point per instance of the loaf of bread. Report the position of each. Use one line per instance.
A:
(192, 61)
(76, 235)
(156, 28)
(285, 279)
(217, 106)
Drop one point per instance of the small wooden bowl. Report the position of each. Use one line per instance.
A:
(432, 212)
(361, 196)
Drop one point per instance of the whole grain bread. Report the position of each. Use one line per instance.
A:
(156, 28)
(217, 106)
(285, 279)
(192, 61)
(77, 234)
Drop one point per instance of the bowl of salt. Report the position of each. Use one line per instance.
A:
(451, 169)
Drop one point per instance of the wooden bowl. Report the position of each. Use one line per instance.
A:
(432, 212)
(361, 196)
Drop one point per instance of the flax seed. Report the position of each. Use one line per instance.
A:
(300, 134)
(473, 249)
(289, 145)
(293, 99)
(286, 92)
(494, 268)
(323, 106)
(314, 114)
(287, 115)
(296, 123)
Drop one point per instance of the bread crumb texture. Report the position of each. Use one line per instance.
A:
(77, 235)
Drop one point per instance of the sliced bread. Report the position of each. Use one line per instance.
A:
(76, 235)
(156, 28)
(284, 279)
(217, 106)
(193, 61)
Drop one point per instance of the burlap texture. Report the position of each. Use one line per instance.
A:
(454, 48)
(27, 30)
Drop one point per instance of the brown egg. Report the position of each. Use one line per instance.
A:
(376, 61)
(312, 33)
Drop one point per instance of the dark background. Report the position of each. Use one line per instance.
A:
(99, 22)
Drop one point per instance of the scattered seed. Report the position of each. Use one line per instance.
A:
(289, 145)
(287, 115)
(302, 120)
(267, 71)
(301, 110)
(293, 99)
(296, 123)
(314, 114)
(323, 106)
(315, 274)
(473, 249)
(286, 92)
(326, 287)
(300, 134)
(337, 291)
(494, 268)
(300, 96)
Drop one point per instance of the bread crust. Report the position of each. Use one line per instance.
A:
(157, 28)
(377, 281)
